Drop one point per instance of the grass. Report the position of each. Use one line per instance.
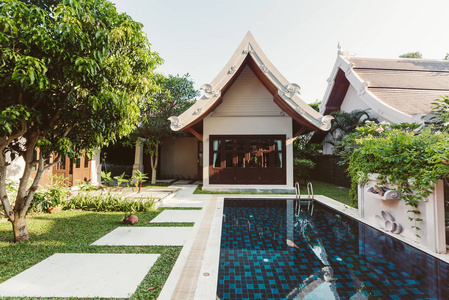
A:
(156, 185)
(335, 192)
(72, 232)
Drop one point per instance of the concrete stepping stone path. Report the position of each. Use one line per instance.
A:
(81, 275)
(145, 236)
(178, 215)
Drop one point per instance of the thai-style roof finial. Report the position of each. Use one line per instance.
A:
(341, 52)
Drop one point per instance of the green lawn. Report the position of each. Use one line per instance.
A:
(73, 232)
(335, 192)
(320, 188)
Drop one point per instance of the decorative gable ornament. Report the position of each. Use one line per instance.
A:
(287, 96)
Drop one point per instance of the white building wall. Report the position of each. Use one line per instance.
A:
(95, 168)
(352, 101)
(179, 158)
(391, 215)
(15, 170)
(247, 97)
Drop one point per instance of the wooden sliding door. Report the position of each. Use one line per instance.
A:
(247, 159)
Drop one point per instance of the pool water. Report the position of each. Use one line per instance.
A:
(269, 252)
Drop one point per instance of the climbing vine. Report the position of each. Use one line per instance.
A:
(405, 155)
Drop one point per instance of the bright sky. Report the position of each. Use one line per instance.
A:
(299, 37)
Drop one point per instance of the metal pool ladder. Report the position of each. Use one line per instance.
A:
(309, 199)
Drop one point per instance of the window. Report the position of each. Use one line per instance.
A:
(252, 152)
(278, 153)
(216, 147)
(61, 164)
(86, 161)
(247, 159)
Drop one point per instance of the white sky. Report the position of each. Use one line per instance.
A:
(299, 37)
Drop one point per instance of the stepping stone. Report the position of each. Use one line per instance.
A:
(81, 275)
(181, 215)
(182, 182)
(165, 180)
(145, 236)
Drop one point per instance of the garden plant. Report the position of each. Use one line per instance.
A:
(411, 157)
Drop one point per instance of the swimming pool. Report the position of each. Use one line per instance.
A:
(269, 252)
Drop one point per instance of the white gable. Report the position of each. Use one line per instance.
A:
(353, 102)
(248, 97)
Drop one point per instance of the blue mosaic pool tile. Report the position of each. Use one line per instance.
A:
(362, 261)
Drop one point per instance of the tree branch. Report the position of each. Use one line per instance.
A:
(52, 121)
(4, 142)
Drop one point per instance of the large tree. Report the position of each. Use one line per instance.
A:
(71, 73)
(175, 95)
(416, 54)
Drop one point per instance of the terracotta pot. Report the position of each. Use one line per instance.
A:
(131, 219)
(52, 209)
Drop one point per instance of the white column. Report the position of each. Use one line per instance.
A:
(289, 161)
(95, 167)
(434, 218)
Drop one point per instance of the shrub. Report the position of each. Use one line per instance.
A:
(302, 169)
(440, 108)
(87, 186)
(56, 192)
(109, 202)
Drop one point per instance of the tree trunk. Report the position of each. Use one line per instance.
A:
(153, 176)
(3, 194)
(19, 227)
(25, 195)
(153, 160)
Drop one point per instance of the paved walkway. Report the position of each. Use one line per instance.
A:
(104, 275)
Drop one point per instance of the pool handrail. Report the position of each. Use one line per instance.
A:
(310, 198)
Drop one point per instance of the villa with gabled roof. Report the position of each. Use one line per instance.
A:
(247, 121)
(392, 90)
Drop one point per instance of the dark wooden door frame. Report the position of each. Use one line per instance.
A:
(245, 164)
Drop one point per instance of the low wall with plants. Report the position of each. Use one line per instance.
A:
(381, 205)
(410, 158)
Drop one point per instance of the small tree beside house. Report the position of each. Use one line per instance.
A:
(174, 96)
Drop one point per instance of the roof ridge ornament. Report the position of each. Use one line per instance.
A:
(209, 92)
(249, 49)
(175, 123)
(326, 122)
(197, 111)
(341, 52)
(290, 90)
(349, 69)
(300, 110)
(232, 70)
(363, 88)
(264, 68)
